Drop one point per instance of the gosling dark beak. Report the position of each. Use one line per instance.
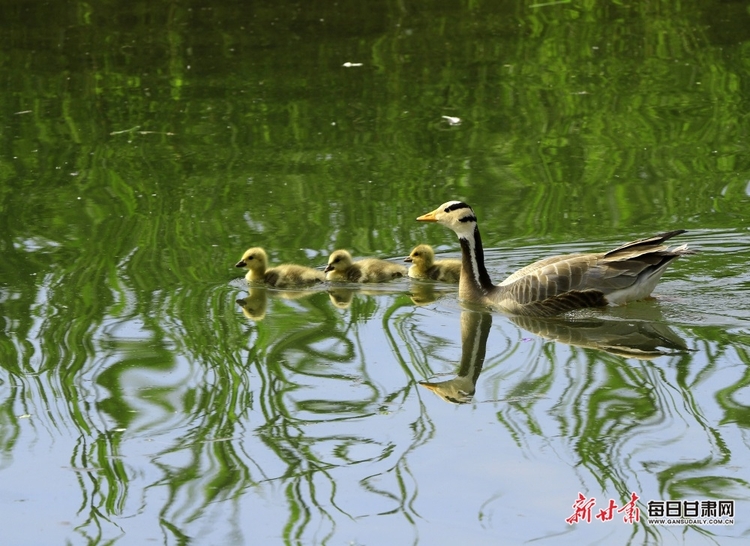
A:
(408, 259)
(328, 268)
(241, 263)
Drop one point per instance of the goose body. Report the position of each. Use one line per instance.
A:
(341, 268)
(424, 266)
(255, 261)
(560, 283)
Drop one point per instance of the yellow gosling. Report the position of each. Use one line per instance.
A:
(255, 261)
(341, 268)
(424, 266)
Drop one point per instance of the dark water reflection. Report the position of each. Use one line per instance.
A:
(145, 146)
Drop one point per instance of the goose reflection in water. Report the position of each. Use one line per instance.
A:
(639, 339)
(475, 329)
(643, 340)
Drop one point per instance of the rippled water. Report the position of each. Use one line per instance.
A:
(322, 427)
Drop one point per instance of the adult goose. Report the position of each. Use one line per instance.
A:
(342, 268)
(424, 266)
(255, 261)
(560, 283)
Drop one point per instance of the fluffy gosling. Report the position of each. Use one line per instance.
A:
(341, 268)
(255, 261)
(424, 266)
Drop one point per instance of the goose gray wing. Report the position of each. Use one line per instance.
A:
(625, 273)
(553, 277)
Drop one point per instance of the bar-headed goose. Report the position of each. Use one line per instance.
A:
(255, 261)
(341, 268)
(424, 266)
(560, 283)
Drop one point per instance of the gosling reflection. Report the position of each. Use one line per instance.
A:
(475, 328)
(643, 340)
(342, 296)
(255, 304)
(422, 293)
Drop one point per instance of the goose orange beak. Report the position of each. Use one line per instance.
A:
(429, 217)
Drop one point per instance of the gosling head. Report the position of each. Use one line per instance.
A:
(455, 215)
(254, 259)
(340, 260)
(422, 256)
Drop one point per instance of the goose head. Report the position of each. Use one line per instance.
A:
(455, 215)
(340, 261)
(254, 259)
(422, 256)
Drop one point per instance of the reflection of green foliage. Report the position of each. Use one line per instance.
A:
(565, 126)
(735, 411)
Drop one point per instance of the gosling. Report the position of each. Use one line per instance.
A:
(255, 261)
(425, 267)
(341, 268)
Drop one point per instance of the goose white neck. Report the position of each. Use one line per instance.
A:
(473, 263)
